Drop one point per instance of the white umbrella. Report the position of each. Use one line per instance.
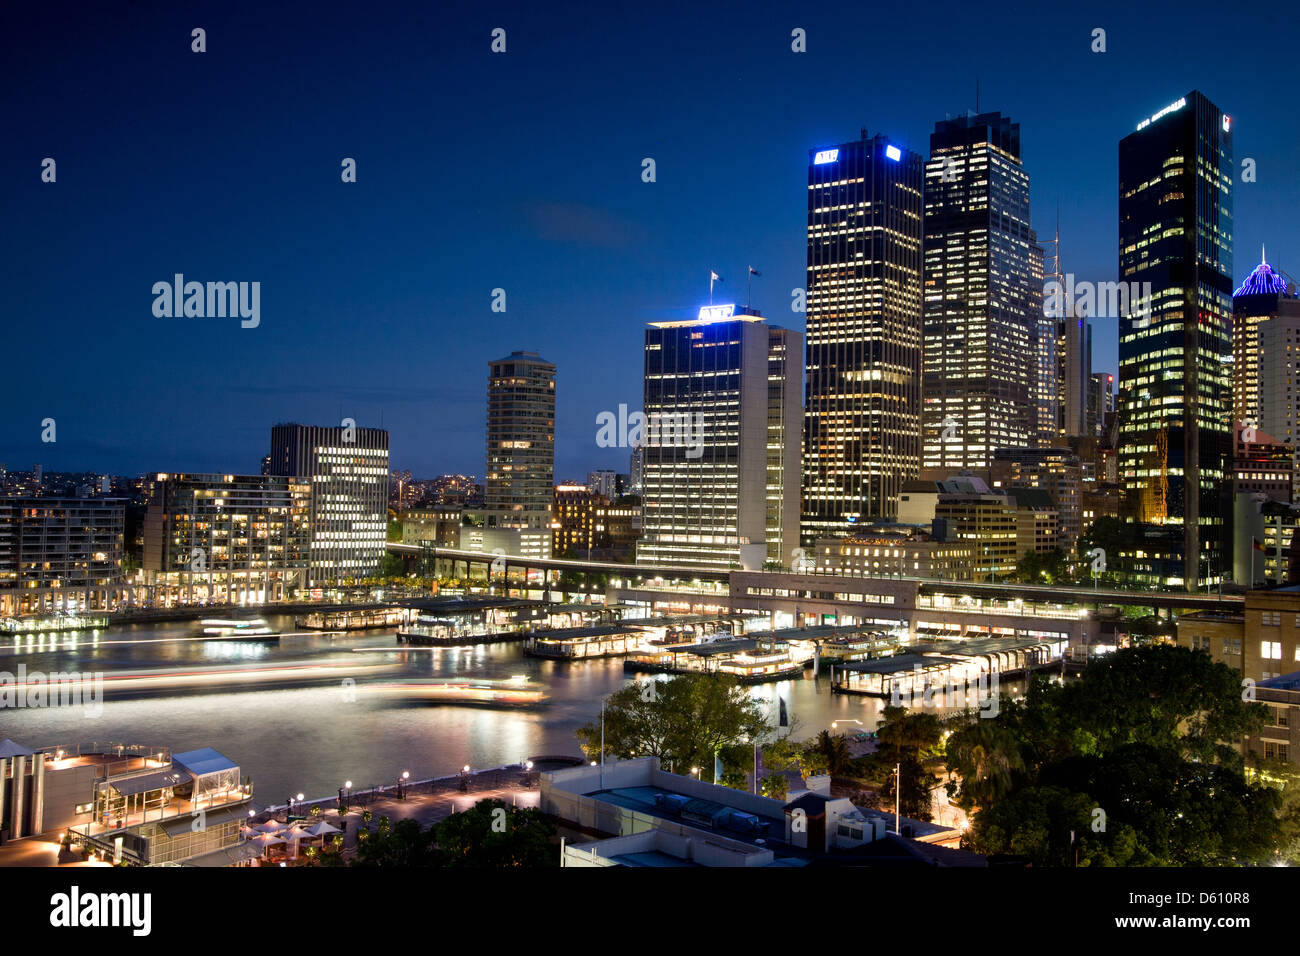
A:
(266, 840)
(321, 828)
(271, 826)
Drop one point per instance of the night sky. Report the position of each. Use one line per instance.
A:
(519, 171)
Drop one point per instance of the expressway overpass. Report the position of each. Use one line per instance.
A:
(646, 574)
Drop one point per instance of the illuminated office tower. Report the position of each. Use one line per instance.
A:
(862, 412)
(1175, 252)
(1261, 298)
(347, 469)
(983, 301)
(519, 489)
(720, 442)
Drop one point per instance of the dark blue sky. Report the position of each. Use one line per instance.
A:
(519, 171)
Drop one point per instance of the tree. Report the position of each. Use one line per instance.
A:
(986, 757)
(1132, 758)
(907, 734)
(405, 844)
(774, 785)
(835, 749)
(687, 720)
(494, 835)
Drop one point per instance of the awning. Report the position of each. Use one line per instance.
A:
(160, 780)
(204, 761)
(228, 856)
(211, 819)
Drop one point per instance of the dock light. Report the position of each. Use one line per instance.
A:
(252, 813)
(465, 769)
(406, 775)
(528, 765)
(347, 784)
(300, 797)
(593, 763)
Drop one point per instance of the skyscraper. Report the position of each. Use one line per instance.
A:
(720, 475)
(1074, 373)
(1259, 299)
(520, 485)
(347, 469)
(862, 412)
(1175, 255)
(983, 300)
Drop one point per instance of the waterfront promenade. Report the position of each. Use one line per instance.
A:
(426, 801)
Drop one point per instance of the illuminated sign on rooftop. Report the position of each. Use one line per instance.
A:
(1168, 109)
(894, 153)
(826, 156)
(716, 313)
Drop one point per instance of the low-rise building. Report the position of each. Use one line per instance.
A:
(144, 806)
(1280, 738)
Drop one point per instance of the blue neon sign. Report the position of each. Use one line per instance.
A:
(826, 156)
(894, 153)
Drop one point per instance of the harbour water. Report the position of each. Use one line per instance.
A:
(311, 735)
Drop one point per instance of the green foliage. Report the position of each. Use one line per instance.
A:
(494, 835)
(405, 844)
(1134, 757)
(1050, 567)
(835, 749)
(687, 720)
(774, 785)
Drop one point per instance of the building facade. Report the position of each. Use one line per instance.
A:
(1175, 258)
(520, 481)
(227, 539)
(347, 471)
(982, 297)
(60, 555)
(862, 408)
(714, 409)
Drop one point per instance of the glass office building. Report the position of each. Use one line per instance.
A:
(862, 408)
(1175, 254)
(983, 298)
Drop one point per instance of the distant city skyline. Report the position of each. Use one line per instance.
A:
(486, 172)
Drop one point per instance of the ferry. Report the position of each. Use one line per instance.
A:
(59, 621)
(255, 629)
(516, 691)
(353, 619)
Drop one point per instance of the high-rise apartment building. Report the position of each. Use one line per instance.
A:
(347, 471)
(983, 299)
(1175, 258)
(520, 484)
(720, 472)
(862, 411)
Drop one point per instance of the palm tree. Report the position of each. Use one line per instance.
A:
(835, 747)
(986, 758)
